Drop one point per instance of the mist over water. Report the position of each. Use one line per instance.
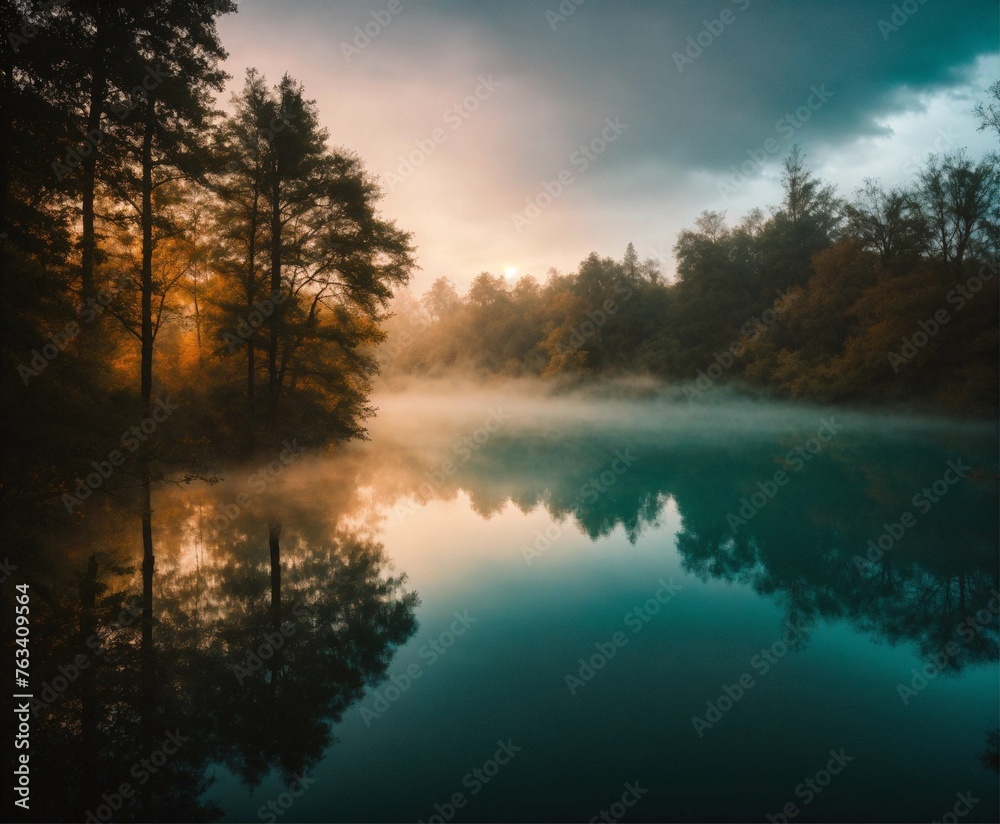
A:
(457, 582)
(636, 404)
(504, 500)
(419, 412)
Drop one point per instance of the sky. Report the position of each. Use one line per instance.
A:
(516, 136)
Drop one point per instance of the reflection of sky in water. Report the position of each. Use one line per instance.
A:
(463, 525)
(461, 545)
(506, 678)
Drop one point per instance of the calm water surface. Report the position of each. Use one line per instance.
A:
(676, 603)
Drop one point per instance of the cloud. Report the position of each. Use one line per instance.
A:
(689, 122)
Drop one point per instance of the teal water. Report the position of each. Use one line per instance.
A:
(473, 547)
(496, 510)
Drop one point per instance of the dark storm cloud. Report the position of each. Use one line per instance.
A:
(563, 69)
(620, 58)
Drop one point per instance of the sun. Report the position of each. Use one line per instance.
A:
(510, 271)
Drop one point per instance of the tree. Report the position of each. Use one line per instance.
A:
(307, 230)
(989, 112)
(718, 288)
(242, 146)
(960, 200)
(631, 263)
(441, 299)
(806, 198)
(180, 44)
(103, 39)
(888, 222)
(806, 222)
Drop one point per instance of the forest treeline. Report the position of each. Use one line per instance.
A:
(159, 254)
(887, 297)
(181, 285)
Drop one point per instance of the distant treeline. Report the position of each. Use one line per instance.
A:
(890, 297)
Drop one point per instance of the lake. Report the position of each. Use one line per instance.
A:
(591, 606)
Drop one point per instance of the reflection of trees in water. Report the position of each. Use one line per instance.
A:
(575, 482)
(88, 734)
(274, 696)
(344, 616)
(991, 755)
(809, 547)
(800, 547)
(345, 613)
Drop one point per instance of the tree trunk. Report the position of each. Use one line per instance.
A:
(98, 92)
(6, 137)
(272, 350)
(197, 321)
(274, 537)
(88, 723)
(250, 290)
(6, 134)
(146, 368)
(148, 660)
